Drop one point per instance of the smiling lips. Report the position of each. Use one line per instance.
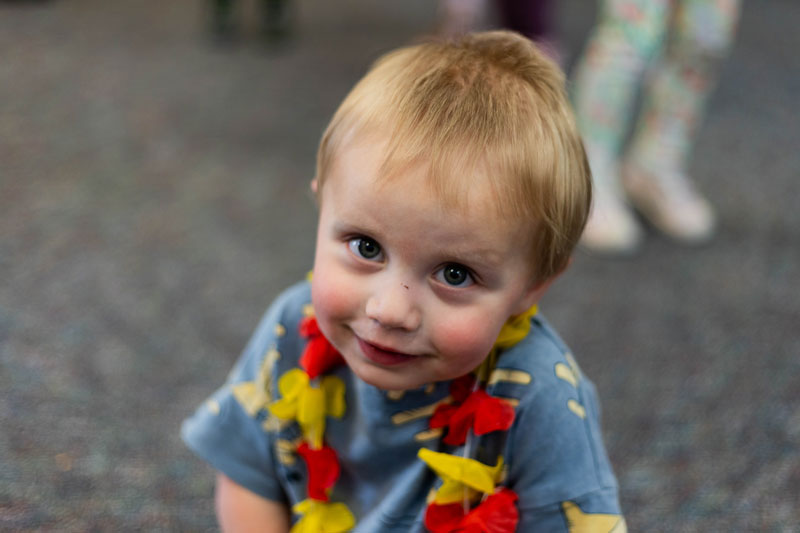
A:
(383, 356)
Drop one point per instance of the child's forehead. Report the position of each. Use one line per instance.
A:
(456, 179)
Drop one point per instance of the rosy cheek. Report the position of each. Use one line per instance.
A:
(466, 338)
(332, 298)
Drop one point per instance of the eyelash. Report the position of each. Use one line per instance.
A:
(355, 245)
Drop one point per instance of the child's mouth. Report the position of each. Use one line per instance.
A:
(383, 356)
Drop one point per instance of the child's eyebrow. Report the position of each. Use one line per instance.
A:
(342, 228)
(470, 256)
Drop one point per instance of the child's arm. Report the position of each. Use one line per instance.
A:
(242, 511)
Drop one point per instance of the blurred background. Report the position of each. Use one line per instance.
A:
(154, 198)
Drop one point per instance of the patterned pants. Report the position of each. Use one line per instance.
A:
(679, 43)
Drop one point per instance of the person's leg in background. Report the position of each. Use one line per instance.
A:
(627, 36)
(535, 19)
(225, 18)
(654, 174)
(276, 19)
(223, 24)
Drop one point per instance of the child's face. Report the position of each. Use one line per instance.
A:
(411, 292)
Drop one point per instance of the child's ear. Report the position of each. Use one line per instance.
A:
(533, 294)
(314, 186)
(537, 289)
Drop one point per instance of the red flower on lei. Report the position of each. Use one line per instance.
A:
(496, 514)
(473, 409)
(318, 357)
(323, 470)
(319, 354)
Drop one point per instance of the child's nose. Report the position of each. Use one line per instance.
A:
(392, 305)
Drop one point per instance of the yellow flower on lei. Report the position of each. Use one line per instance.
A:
(322, 517)
(460, 475)
(309, 404)
(515, 329)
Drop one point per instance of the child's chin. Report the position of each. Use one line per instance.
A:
(384, 379)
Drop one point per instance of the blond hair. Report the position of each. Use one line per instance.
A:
(490, 101)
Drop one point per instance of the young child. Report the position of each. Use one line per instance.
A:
(411, 385)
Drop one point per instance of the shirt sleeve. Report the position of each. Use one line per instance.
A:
(229, 430)
(558, 465)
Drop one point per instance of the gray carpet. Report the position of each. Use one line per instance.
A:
(153, 199)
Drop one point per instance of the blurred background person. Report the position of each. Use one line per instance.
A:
(682, 42)
(532, 18)
(275, 19)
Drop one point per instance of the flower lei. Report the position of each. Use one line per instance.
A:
(469, 499)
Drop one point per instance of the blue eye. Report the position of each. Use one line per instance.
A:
(455, 275)
(365, 247)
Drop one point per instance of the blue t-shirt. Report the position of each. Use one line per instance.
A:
(556, 462)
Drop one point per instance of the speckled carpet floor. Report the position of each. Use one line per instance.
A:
(153, 199)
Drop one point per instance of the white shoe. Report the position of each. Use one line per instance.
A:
(611, 228)
(669, 200)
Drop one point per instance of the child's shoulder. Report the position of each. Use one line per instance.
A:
(540, 363)
(292, 304)
(276, 332)
(556, 434)
(283, 316)
(554, 400)
(541, 376)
